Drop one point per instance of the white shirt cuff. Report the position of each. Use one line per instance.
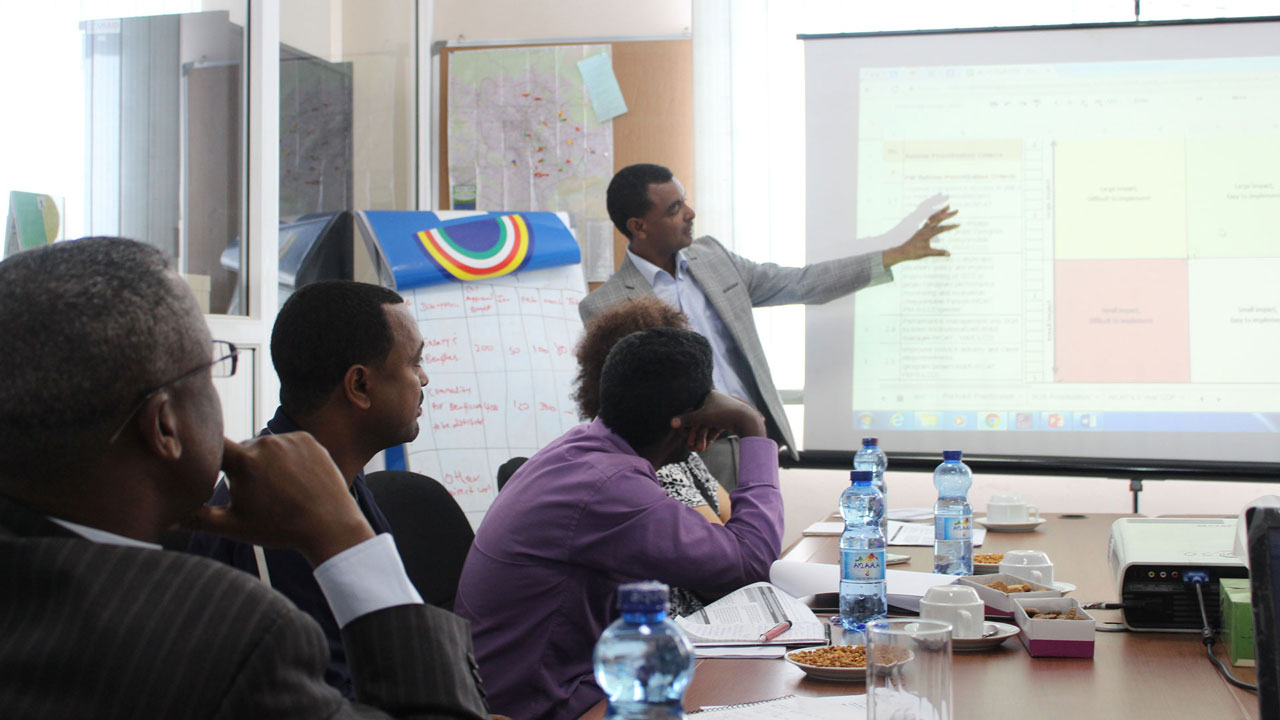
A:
(365, 578)
(879, 275)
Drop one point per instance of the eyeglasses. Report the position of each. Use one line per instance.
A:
(225, 356)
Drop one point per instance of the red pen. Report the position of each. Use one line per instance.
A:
(775, 631)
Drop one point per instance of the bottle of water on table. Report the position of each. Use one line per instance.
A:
(872, 458)
(863, 596)
(643, 661)
(952, 517)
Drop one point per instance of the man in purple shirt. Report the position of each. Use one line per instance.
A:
(587, 514)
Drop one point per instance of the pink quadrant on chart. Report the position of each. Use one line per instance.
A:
(1121, 321)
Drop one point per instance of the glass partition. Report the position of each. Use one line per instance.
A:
(131, 124)
(347, 128)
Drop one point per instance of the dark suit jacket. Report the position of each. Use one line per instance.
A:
(106, 631)
(289, 572)
(733, 286)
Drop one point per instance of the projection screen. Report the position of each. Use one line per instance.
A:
(1114, 288)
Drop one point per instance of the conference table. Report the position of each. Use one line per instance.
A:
(1131, 674)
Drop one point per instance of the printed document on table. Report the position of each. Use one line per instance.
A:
(900, 533)
(769, 652)
(825, 527)
(905, 587)
(921, 535)
(789, 707)
(742, 616)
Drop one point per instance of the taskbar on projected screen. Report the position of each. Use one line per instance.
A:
(1239, 422)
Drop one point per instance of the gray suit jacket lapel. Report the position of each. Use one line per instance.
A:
(630, 278)
(718, 277)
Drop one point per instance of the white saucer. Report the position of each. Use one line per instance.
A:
(1010, 527)
(1065, 587)
(1004, 631)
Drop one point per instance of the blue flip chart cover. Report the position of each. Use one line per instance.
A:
(422, 248)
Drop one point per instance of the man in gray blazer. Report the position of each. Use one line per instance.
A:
(110, 433)
(717, 289)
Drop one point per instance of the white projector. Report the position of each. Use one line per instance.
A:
(1154, 560)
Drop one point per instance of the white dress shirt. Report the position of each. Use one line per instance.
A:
(362, 579)
(683, 293)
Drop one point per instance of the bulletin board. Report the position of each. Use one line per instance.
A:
(656, 80)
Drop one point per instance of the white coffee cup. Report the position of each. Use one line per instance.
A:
(1030, 565)
(955, 604)
(1011, 510)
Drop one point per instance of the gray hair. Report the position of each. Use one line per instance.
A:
(89, 327)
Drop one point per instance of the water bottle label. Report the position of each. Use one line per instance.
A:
(862, 564)
(950, 527)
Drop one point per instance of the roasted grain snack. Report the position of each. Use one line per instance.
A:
(1000, 586)
(988, 558)
(847, 656)
(1072, 614)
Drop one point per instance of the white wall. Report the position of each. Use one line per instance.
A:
(476, 20)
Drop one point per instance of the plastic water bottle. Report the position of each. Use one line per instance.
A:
(872, 458)
(643, 661)
(952, 517)
(863, 596)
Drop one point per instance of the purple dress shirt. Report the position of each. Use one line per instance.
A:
(581, 517)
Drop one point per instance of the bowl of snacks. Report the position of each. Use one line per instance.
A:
(845, 663)
(831, 662)
(999, 590)
(1055, 627)
(987, 563)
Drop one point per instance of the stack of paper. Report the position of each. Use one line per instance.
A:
(742, 616)
(841, 707)
(919, 535)
(740, 651)
(908, 514)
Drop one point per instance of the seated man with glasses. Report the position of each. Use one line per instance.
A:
(111, 433)
(349, 357)
(587, 513)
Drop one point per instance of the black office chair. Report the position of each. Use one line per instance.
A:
(509, 468)
(431, 531)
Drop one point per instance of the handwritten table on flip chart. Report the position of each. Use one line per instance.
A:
(499, 354)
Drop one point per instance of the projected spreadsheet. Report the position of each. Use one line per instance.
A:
(1116, 259)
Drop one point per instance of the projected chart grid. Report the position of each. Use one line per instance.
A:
(1117, 250)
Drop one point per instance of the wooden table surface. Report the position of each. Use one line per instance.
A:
(1131, 674)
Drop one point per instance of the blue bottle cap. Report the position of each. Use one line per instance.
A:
(645, 597)
(951, 454)
(870, 442)
(861, 477)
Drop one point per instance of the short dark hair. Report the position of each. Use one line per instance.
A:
(650, 377)
(323, 329)
(604, 331)
(89, 327)
(628, 193)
